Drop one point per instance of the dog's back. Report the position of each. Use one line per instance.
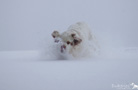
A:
(82, 29)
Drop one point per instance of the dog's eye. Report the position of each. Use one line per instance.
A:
(68, 42)
(73, 35)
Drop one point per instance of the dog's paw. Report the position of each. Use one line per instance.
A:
(55, 34)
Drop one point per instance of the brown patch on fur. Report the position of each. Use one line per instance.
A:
(73, 35)
(53, 36)
(62, 48)
(71, 44)
(77, 41)
(68, 42)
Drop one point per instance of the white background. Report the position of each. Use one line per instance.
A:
(26, 24)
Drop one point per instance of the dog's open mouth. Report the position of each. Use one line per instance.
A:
(63, 48)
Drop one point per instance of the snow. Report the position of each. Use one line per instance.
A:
(28, 70)
(29, 58)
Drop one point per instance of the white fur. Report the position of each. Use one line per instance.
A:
(87, 44)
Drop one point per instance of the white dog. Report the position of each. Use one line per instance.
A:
(76, 40)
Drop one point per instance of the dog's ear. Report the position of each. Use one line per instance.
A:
(55, 34)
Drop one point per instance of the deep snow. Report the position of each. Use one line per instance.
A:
(29, 70)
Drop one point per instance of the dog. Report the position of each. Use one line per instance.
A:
(75, 40)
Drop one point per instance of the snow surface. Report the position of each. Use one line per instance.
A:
(29, 70)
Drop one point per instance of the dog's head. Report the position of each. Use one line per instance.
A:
(69, 39)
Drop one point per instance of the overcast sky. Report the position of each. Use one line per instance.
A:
(25, 24)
